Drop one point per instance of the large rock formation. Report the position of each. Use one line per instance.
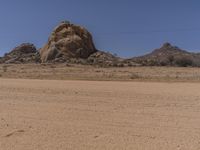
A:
(68, 41)
(24, 53)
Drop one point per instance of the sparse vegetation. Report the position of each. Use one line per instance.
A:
(169, 55)
(134, 76)
(171, 59)
(184, 62)
(83, 72)
(5, 68)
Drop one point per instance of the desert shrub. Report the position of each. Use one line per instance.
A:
(5, 68)
(184, 62)
(171, 59)
(134, 76)
(115, 64)
(152, 62)
(36, 57)
(196, 62)
(120, 65)
(143, 63)
(164, 63)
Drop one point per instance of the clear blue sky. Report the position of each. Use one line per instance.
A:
(125, 27)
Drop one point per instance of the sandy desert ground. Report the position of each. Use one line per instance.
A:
(100, 115)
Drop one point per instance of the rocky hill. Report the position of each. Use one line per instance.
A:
(168, 55)
(69, 43)
(24, 53)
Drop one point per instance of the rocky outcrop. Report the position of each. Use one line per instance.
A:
(104, 59)
(25, 53)
(68, 41)
(101, 57)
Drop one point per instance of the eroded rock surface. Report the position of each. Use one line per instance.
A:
(68, 41)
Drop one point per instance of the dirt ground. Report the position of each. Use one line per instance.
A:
(98, 115)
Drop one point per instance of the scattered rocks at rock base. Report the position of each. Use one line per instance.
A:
(106, 59)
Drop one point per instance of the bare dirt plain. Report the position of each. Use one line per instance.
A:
(100, 115)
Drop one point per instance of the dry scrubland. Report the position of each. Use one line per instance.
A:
(83, 72)
(101, 115)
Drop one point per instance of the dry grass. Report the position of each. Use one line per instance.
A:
(81, 72)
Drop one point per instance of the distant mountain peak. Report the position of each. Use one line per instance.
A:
(167, 49)
(166, 45)
(168, 55)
